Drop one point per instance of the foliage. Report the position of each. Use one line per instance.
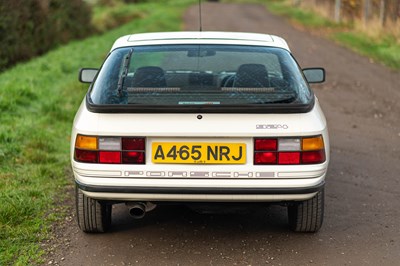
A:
(307, 18)
(352, 10)
(31, 27)
(38, 100)
(384, 48)
(109, 17)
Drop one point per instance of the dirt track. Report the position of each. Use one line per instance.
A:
(361, 102)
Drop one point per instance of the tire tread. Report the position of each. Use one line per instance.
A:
(307, 216)
(92, 215)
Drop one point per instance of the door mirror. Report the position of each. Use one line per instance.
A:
(314, 75)
(87, 75)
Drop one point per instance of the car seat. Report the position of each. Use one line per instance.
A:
(251, 76)
(149, 77)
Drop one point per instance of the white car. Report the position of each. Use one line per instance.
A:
(199, 117)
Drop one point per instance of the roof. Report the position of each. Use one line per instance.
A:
(201, 37)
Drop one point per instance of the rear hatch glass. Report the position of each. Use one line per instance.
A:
(200, 77)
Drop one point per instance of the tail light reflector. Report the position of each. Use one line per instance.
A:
(310, 157)
(85, 156)
(289, 151)
(265, 158)
(133, 157)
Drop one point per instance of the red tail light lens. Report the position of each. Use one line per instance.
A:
(109, 157)
(133, 144)
(313, 157)
(85, 156)
(265, 144)
(289, 158)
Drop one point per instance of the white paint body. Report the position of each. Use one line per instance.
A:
(186, 127)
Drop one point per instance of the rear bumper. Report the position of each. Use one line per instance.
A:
(249, 191)
(199, 197)
(211, 183)
(199, 190)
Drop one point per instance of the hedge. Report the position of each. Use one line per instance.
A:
(31, 27)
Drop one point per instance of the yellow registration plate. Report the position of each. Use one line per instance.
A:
(198, 153)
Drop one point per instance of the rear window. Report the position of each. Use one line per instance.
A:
(211, 76)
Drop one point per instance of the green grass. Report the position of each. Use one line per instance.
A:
(38, 101)
(105, 18)
(383, 48)
(297, 15)
(294, 14)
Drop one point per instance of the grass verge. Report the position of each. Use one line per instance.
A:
(296, 15)
(385, 50)
(38, 100)
(381, 48)
(108, 17)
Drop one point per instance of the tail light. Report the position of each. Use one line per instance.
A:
(110, 150)
(289, 151)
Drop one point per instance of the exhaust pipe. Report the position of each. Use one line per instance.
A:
(138, 209)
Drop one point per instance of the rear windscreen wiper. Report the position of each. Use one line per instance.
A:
(124, 73)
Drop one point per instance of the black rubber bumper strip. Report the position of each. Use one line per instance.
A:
(199, 190)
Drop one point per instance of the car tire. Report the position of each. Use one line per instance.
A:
(307, 216)
(93, 216)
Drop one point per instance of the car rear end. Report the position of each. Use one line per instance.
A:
(214, 133)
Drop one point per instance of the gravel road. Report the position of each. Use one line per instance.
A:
(361, 102)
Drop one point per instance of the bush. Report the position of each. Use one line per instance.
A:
(31, 27)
